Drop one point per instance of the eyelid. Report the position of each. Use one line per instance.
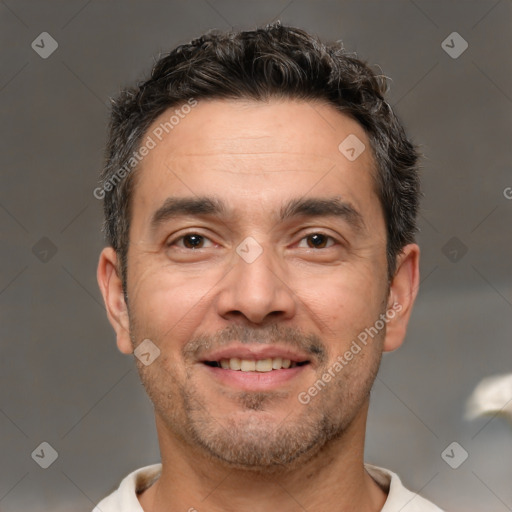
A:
(323, 233)
(174, 239)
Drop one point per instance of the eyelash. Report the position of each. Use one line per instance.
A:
(182, 237)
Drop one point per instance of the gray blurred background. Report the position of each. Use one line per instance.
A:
(62, 380)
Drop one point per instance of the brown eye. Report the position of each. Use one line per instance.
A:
(317, 240)
(193, 241)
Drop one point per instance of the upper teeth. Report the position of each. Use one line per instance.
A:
(259, 365)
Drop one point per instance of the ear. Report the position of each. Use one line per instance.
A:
(402, 294)
(112, 290)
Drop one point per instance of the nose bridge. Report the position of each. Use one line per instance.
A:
(256, 287)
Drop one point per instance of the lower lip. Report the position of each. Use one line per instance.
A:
(255, 381)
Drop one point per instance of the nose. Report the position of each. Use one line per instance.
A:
(257, 288)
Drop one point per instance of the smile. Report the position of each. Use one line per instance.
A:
(255, 365)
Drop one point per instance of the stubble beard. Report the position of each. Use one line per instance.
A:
(251, 440)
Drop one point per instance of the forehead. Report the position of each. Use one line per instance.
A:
(244, 149)
(241, 126)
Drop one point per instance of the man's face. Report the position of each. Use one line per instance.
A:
(278, 252)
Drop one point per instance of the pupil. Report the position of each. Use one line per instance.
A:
(192, 241)
(318, 240)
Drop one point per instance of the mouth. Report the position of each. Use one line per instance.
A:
(257, 368)
(268, 364)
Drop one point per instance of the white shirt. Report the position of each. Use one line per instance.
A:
(399, 499)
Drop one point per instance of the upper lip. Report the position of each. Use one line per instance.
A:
(252, 352)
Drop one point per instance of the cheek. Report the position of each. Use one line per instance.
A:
(169, 304)
(344, 300)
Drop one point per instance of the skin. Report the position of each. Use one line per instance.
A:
(225, 448)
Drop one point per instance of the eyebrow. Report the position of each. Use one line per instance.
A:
(210, 206)
(187, 206)
(323, 207)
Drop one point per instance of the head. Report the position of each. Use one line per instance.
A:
(259, 192)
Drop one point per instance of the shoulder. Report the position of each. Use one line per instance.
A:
(124, 498)
(399, 498)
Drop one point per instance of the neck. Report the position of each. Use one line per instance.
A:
(333, 479)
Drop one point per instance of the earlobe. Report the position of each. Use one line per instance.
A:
(112, 290)
(402, 294)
